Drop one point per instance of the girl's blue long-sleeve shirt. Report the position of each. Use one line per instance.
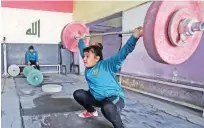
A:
(101, 78)
(32, 56)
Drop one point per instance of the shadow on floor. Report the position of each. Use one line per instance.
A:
(45, 104)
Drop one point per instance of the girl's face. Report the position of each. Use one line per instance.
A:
(90, 59)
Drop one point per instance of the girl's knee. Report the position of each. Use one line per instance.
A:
(108, 108)
(78, 93)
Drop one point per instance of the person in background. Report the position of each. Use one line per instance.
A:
(32, 57)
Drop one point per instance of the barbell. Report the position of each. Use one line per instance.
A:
(172, 31)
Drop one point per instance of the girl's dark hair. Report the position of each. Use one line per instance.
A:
(96, 49)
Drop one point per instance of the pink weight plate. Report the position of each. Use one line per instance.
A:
(156, 39)
(70, 31)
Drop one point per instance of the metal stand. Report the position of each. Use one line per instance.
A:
(5, 74)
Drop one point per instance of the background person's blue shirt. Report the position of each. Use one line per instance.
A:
(101, 78)
(31, 56)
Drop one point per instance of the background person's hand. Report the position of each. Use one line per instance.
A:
(37, 63)
(29, 63)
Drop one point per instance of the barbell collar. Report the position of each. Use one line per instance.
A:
(197, 26)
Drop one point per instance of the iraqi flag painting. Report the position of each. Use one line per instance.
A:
(38, 22)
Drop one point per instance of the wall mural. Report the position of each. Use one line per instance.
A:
(35, 29)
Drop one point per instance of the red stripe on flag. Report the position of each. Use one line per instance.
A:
(55, 6)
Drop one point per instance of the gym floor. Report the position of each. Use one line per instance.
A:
(24, 106)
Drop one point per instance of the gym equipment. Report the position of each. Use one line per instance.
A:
(13, 70)
(35, 77)
(5, 74)
(172, 31)
(166, 30)
(27, 69)
(51, 88)
(69, 31)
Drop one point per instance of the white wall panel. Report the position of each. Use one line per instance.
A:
(15, 23)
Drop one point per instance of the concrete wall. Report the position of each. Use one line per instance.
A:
(16, 53)
(94, 10)
(111, 44)
(165, 90)
(37, 23)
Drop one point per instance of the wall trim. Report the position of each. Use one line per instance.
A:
(145, 91)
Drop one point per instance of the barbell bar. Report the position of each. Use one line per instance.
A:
(103, 34)
(193, 27)
(172, 31)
